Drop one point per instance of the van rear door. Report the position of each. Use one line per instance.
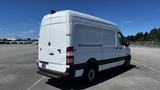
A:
(58, 43)
(44, 39)
(52, 42)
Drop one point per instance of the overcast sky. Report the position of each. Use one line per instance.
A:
(22, 17)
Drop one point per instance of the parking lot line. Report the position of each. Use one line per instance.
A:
(36, 83)
(146, 66)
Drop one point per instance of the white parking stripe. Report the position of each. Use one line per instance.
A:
(36, 83)
(146, 66)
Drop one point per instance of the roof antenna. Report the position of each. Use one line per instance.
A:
(52, 11)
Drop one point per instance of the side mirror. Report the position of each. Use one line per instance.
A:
(125, 44)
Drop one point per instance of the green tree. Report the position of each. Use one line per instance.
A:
(139, 36)
(153, 35)
(158, 34)
(146, 36)
(130, 38)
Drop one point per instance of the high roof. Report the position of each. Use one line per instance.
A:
(81, 15)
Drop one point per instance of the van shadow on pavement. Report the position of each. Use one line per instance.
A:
(78, 83)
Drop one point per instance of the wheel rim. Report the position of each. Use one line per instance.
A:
(91, 74)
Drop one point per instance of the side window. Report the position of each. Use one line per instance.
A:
(120, 38)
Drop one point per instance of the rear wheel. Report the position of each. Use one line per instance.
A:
(90, 74)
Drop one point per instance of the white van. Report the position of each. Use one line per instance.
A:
(73, 44)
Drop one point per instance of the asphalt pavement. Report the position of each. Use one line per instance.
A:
(18, 72)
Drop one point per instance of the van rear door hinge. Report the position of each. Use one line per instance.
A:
(68, 34)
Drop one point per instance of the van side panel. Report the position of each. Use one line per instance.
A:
(94, 40)
(111, 51)
(109, 43)
(88, 43)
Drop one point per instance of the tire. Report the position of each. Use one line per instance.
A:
(90, 74)
(127, 62)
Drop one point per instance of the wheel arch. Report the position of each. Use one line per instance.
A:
(92, 62)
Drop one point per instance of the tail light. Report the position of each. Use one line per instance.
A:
(69, 56)
(66, 74)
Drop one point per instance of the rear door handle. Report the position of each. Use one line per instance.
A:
(51, 53)
(59, 50)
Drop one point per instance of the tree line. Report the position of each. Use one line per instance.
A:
(153, 35)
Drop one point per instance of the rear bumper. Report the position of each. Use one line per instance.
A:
(70, 72)
(50, 73)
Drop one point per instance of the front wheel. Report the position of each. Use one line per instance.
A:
(127, 62)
